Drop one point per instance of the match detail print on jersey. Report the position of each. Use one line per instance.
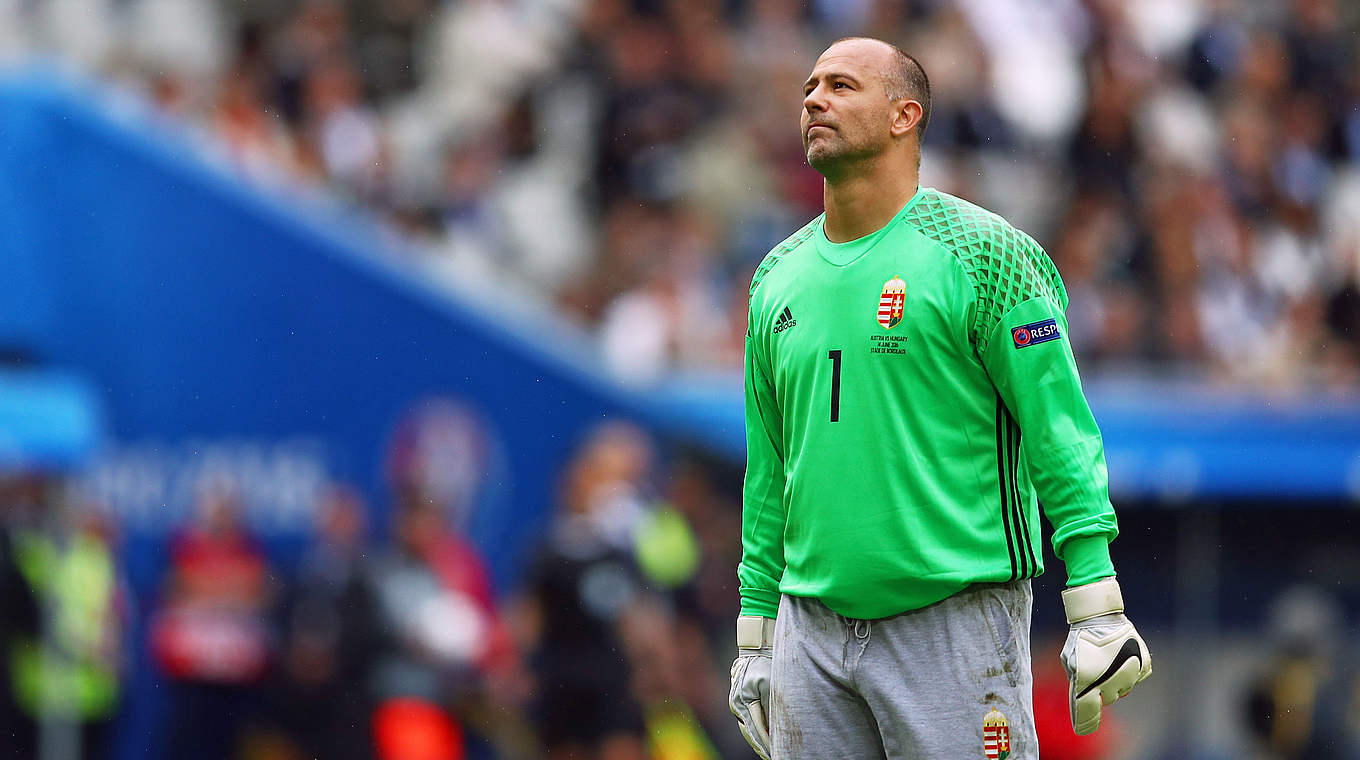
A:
(1035, 332)
(892, 303)
(996, 736)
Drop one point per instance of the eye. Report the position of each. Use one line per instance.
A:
(840, 85)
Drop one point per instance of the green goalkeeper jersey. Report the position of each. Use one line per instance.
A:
(911, 399)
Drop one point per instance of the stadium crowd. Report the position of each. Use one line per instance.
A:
(1188, 165)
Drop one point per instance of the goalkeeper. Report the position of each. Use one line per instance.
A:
(911, 399)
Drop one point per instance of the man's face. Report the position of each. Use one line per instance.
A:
(846, 112)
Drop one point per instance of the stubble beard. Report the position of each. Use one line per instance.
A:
(824, 152)
(833, 156)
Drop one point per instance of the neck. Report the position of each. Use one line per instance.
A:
(861, 201)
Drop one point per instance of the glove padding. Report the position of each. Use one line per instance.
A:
(749, 697)
(1104, 656)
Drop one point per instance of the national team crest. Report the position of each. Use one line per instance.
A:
(892, 302)
(996, 736)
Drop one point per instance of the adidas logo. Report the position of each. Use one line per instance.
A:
(785, 321)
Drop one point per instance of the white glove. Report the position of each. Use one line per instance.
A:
(1104, 656)
(750, 694)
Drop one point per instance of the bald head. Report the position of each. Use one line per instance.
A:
(865, 101)
(902, 75)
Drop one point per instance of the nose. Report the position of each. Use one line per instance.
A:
(815, 100)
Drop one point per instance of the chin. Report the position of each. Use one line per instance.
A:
(821, 159)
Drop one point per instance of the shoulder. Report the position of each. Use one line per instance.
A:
(990, 250)
(970, 232)
(788, 246)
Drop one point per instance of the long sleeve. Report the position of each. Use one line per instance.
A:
(1028, 355)
(762, 513)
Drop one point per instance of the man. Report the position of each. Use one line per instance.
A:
(911, 397)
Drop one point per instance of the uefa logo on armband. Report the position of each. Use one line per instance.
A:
(1035, 332)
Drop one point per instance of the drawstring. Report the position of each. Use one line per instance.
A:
(861, 629)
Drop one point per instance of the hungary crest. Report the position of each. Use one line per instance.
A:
(892, 302)
(996, 736)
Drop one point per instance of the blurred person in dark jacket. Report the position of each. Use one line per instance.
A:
(211, 636)
(19, 611)
(622, 664)
(330, 637)
(583, 586)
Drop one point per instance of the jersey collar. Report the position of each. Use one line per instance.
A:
(844, 254)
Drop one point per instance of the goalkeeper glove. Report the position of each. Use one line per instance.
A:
(1104, 656)
(750, 694)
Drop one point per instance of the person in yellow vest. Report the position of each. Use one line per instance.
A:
(63, 667)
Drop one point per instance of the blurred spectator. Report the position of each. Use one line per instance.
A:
(621, 655)
(19, 612)
(1302, 705)
(63, 623)
(252, 139)
(583, 585)
(344, 130)
(211, 636)
(444, 649)
(672, 315)
(330, 638)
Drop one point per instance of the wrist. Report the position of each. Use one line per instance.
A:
(1092, 600)
(1087, 559)
(755, 632)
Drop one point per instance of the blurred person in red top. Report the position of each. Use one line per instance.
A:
(211, 635)
(435, 589)
(443, 640)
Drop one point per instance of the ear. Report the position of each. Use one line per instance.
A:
(907, 115)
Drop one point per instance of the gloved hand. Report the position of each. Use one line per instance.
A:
(750, 694)
(1104, 656)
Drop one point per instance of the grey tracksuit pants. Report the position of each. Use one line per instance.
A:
(918, 686)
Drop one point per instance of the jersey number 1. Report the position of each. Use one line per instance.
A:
(835, 356)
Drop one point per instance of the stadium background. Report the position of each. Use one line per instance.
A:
(370, 367)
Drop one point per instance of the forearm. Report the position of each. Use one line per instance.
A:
(1040, 385)
(762, 539)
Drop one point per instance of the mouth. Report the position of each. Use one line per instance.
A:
(814, 126)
